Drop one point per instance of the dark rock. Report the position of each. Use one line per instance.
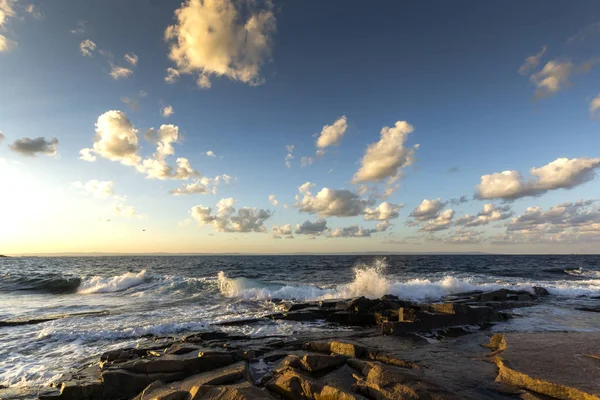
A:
(296, 306)
(205, 336)
(222, 376)
(333, 303)
(308, 314)
(186, 363)
(352, 318)
(319, 346)
(360, 304)
(389, 297)
(540, 291)
(159, 391)
(590, 309)
(321, 362)
(122, 384)
(242, 391)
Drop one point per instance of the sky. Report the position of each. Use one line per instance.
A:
(256, 126)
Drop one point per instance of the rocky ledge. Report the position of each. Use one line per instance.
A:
(388, 361)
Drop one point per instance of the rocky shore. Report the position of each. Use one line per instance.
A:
(399, 350)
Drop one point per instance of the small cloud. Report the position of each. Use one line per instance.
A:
(331, 135)
(595, 106)
(306, 161)
(87, 47)
(172, 75)
(167, 111)
(34, 11)
(32, 147)
(131, 58)
(118, 72)
(80, 28)
(273, 200)
(211, 154)
(532, 62)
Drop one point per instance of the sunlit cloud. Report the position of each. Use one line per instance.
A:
(33, 147)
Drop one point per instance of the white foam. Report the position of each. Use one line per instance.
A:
(580, 272)
(98, 284)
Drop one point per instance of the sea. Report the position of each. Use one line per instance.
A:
(113, 302)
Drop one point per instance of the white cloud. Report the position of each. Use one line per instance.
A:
(211, 153)
(490, 213)
(383, 212)
(331, 135)
(167, 111)
(552, 77)
(428, 209)
(305, 161)
(383, 226)
(7, 11)
(311, 228)
(273, 200)
(131, 58)
(34, 11)
(215, 37)
(351, 231)
(464, 236)
(32, 147)
(595, 106)
(331, 203)
(87, 47)
(87, 155)
(289, 157)
(532, 62)
(226, 219)
(80, 28)
(441, 222)
(118, 72)
(172, 75)
(282, 231)
(96, 188)
(562, 173)
(126, 211)
(387, 157)
(305, 187)
(203, 185)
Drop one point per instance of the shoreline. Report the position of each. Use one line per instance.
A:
(398, 348)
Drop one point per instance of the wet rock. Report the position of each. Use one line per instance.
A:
(321, 362)
(360, 305)
(307, 314)
(293, 385)
(205, 336)
(539, 291)
(159, 391)
(352, 318)
(589, 309)
(334, 303)
(347, 349)
(242, 391)
(390, 359)
(188, 363)
(122, 384)
(222, 376)
(295, 306)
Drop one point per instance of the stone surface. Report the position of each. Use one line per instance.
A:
(242, 391)
(321, 362)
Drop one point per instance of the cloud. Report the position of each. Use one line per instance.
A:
(315, 228)
(441, 222)
(383, 212)
(80, 28)
(126, 211)
(562, 173)
(387, 157)
(552, 77)
(6, 12)
(289, 157)
(595, 106)
(532, 62)
(490, 213)
(134, 104)
(172, 75)
(96, 188)
(34, 11)
(305, 161)
(331, 202)
(131, 58)
(1, 136)
(203, 185)
(117, 140)
(226, 219)
(167, 111)
(87, 47)
(428, 209)
(464, 236)
(282, 231)
(583, 34)
(32, 147)
(351, 231)
(118, 72)
(331, 135)
(460, 200)
(273, 200)
(211, 154)
(222, 38)
(305, 187)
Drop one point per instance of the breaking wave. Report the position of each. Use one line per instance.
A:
(582, 273)
(119, 283)
(49, 283)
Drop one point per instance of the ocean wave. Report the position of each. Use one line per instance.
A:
(48, 283)
(583, 273)
(371, 281)
(119, 283)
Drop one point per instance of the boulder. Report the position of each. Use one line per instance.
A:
(159, 391)
(186, 363)
(122, 384)
(360, 304)
(319, 346)
(242, 391)
(293, 385)
(221, 376)
(539, 291)
(321, 362)
(352, 318)
(347, 349)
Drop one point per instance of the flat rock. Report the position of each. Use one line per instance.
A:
(321, 362)
(230, 374)
(242, 391)
(557, 364)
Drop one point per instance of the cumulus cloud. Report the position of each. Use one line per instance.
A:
(172, 75)
(289, 157)
(305, 161)
(490, 213)
(7, 11)
(315, 228)
(273, 200)
(87, 47)
(331, 135)
(351, 231)
(383, 212)
(330, 202)
(117, 140)
(305, 187)
(131, 58)
(562, 173)
(222, 38)
(96, 188)
(428, 209)
(464, 236)
(595, 106)
(282, 231)
(532, 62)
(211, 154)
(441, 222)
(227, 220)
(203, 185)
(387, 157)
(552, 77)
(167, 111)
(32, 147)
(118, 72)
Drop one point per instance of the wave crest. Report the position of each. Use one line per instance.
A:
(119, 283)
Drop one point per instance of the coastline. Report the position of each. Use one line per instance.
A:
(397, 349)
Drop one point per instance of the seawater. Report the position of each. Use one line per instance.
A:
(171, 295)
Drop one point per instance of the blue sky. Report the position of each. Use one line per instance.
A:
(449, 69)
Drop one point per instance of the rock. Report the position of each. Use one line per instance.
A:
(360, 305)
(242, 391)
(188, 363)
(321, 362)
(120, 384)
(182, 348)
(205, 336)
(74, 390)
(292, 385)
(295, 306)
(289, 362)
(322, 347)
(333, 303)
(539, 291)
(307, 314)
(391, 359)
(589, 309)
(159, 391)
(347, 349)
(389, 297)
(352, 318)
(222, 376)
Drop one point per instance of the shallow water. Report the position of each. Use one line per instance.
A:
(172, 295)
